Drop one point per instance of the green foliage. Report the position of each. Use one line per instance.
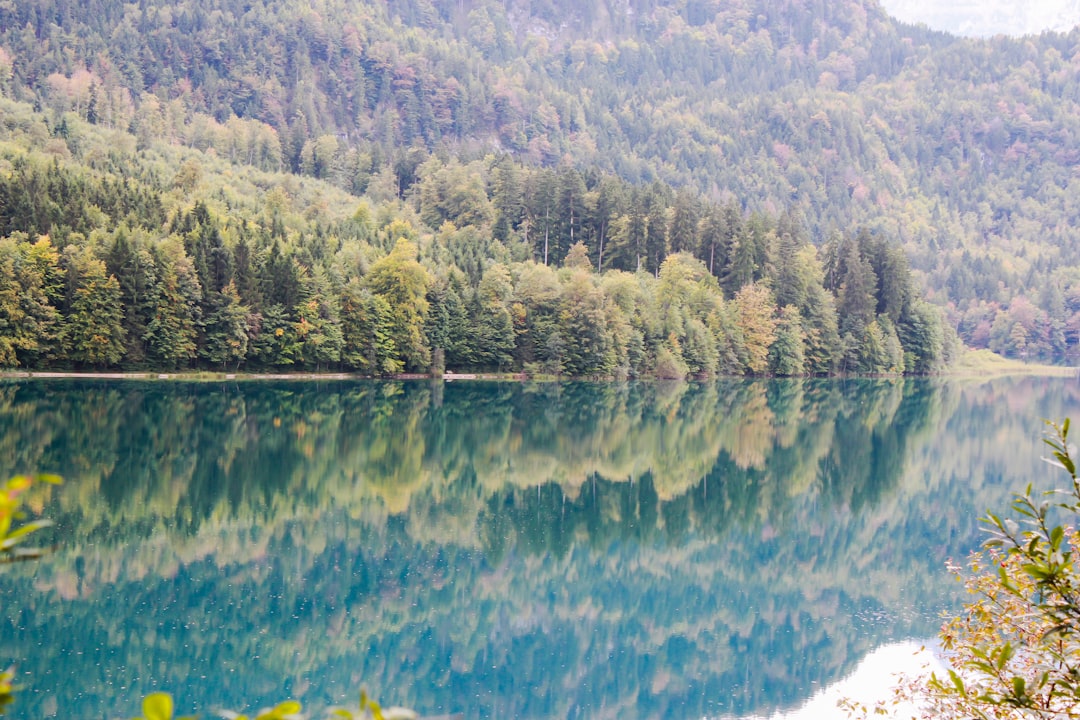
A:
(835, 112)
(225, 328)
(94, 331)
(11, 540)
(402, 282)
(1014, 651)
(159, 706)
(238, 276)
(1017, 648)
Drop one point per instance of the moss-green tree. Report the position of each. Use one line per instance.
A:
(225, 331)
(402, 282)
(94, 330)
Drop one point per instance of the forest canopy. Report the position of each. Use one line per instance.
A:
(487, 265)
(218, 181)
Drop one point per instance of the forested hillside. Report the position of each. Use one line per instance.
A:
(697, 151)
(113, 258)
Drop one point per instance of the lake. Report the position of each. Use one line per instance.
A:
(497, 550)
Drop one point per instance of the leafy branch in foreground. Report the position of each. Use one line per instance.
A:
(159, 706)
(156, 706)
(10, 500)
(1014, 651)
(9, 512)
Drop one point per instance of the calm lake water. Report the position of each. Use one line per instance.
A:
(497, 550)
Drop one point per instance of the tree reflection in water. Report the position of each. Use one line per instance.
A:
(502, 550)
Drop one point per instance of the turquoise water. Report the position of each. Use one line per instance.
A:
(497, 550)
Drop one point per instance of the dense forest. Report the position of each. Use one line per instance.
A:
(641, 188)
(488, 265)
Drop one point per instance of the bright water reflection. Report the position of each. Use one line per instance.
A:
(497, 550)
(869, 684)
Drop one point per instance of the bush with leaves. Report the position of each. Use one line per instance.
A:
(1014, 651)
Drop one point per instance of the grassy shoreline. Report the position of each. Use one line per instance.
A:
(983, 364)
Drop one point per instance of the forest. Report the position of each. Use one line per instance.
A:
(652, 188)
(488, 265)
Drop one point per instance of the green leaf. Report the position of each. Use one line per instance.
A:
(1019, 688)
(1066, 462)
(289, 707)
(26, 530)
(1039, 572)
(1005, 655)
(158, 706)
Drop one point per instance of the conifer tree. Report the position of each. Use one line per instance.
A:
(94, 331)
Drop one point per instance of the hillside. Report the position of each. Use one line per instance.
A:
(829, 112)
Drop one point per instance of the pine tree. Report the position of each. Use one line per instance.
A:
(94, 325)
(175, 299)
(786, 354)
(225, 330)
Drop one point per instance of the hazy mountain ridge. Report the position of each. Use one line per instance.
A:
(980, 18)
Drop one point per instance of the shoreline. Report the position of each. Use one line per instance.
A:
(1006, 369)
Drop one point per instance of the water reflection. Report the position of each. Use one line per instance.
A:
(499, 550)
(869, 684)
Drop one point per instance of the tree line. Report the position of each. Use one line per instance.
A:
(486, 266)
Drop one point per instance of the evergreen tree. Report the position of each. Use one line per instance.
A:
(175, 300)
(654, 244)
(571, 212)
(856, 302)
(491, 319)
(683, 232)
(131, 262)
(225, 330)
(786, 354)
(318, 331)
(94, 329)
(507, 197)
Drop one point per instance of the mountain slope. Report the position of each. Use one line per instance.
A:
(964, 149)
